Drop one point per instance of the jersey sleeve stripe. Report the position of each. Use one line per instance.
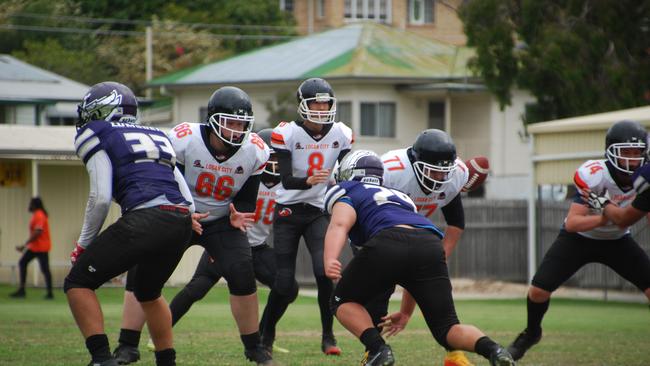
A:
(86, 147)
(333, 195)
(579, 182)
(88, 133)
(276, 138)
(640, 184)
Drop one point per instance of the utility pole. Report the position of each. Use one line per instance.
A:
(149, 59)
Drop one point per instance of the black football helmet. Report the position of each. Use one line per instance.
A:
(626, 135)
(272, 164)
(361, 165)
(228, 109)
(435, 159)
(108, 101)
(316, 90)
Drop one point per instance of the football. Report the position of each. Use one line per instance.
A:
(478, 168)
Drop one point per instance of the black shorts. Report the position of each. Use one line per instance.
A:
(289, 224)
(151, 238)
(412, 258)
(263, 262)
(571, 251)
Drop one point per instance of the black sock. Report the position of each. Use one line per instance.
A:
(325, 288)
(129, 337)
(98, 347)
(166, 357)
(372, 340)
(250, 340)
(276, 306)
(536, 313)
(484, 346)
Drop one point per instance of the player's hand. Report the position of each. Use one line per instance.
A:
(319, 176)
(333, 269)
(241, 220)
(393, 323)
(196, 225)
(76, 252)
(593, 200)
(20, 248)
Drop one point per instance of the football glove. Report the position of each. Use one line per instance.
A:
(595, 201)
(76, 252)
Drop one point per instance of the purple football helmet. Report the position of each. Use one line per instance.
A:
(363, 166)
(108, 101)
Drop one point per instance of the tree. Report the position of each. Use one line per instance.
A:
(576, 57)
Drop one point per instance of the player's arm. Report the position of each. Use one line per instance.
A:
(246, 198)
(343, 218)
(626, 216)
(100, 172)
(454, 215)
(182, 186)
(291, 182)
(580, 219)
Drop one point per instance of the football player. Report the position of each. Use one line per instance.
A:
(136, 166)
(433, 176)
(208, 271)
(398, 246)
(307, 151)
(590, 235)
(222, 163)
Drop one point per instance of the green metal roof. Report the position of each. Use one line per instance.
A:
(359, 50)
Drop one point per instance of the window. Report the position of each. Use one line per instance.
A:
(420, 11)
(437, 115)
(320, 9)
(378, 119)
(344, 112)
(62, 121)
(286, 5)
(377, 10)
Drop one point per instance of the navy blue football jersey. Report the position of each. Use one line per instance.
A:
(142, 160)
(377, 208)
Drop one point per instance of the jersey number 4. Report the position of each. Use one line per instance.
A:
(208, 185)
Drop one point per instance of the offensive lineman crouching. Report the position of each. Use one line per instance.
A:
(399, 246)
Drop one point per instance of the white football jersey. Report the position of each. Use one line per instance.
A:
(264, 208)
(214, 184)
(399, 174)
(308, 154)
(594, 175)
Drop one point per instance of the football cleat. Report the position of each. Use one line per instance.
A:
(328, 345)
(501, 357)
(364, 359)
(457, 358)
(109, 362)
(383, 357)
(522, 343)
(18, 294)
(125, 354)
(259, 355)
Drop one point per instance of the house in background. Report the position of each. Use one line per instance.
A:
(32, 96)
(436, 20)
(390, 84)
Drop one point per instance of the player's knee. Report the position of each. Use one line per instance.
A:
(440, 335)
(286, 286)
(147, 295)
(539, 295)
(241, 279)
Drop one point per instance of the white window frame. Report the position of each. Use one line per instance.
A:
(412, 18)
(376, 16)
(283, 5)
(320, 9)
(377, 104)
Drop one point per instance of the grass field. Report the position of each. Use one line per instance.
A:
(35, 331)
